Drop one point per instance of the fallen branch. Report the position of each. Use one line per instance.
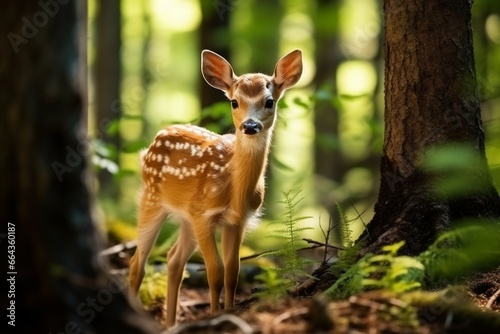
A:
(289, 314)
(492, 299)
(215, 323)
(118, 248)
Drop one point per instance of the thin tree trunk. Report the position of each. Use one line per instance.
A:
(329, 160)
(107, 76)
(213, 33)
(59, 280)
(431, 99)
(214, 26)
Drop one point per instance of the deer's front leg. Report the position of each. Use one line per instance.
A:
(231, 242)
(205, 235)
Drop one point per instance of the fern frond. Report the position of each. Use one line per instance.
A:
(344, 227)
(289, 232)
(383, 271)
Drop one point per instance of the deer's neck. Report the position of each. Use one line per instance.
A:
(249, 167)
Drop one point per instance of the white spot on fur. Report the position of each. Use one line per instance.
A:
(162, 133)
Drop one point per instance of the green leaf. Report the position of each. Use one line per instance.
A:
(133, 116)
(298, 101)
(282, 104)
(134, 146)
(104, 149)
(394, 248)
(113, 127)
(124, 172)
(327, 141)
(281, 165)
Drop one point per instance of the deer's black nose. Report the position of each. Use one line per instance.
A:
(251, 127)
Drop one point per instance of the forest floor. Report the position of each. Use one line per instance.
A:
(471, 307)
(475, 309)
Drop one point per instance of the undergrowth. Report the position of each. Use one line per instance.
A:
(281, 279)
(469, 248)
(386, 271)
(153, 287)
(348, 256)
(455, 255)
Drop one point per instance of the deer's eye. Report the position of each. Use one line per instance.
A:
(269, 104)
(234, 104)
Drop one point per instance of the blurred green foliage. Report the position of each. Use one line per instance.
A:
(161, 80)
(469, 248)
(455, 169)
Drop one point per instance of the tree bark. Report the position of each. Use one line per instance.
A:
(329, 160)
(431, 99)
(60, 282)
(107, 76)
(214, 32)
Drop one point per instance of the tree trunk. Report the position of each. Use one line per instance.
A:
(58, 281)
(326, 122)
(213, 33)
(107, 76)
(431, 99)
(214, 29)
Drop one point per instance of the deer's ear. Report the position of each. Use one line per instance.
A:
(217, 71)
(288, 70)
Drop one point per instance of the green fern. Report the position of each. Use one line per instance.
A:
(346, 232)
(349, 255)
(346, 259)
(275, 286)
(289, 233)
(391, 272)
(350, 282)
(383, 271)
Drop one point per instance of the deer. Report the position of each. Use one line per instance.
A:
(211, 182)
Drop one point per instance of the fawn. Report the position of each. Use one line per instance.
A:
(211, 181)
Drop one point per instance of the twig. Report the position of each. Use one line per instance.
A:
(205, 325)
(321, 244)
(253, 256)
(361, 218)
(282, 317)
(326, 235)
(118, 248)
(244, 258)
(492, 299)
(195, 303)
(310, 241)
